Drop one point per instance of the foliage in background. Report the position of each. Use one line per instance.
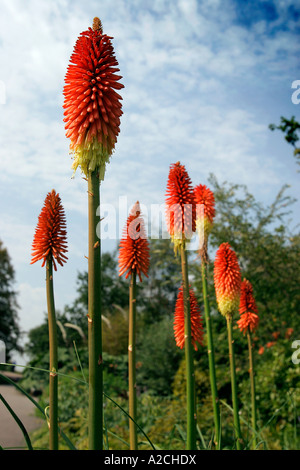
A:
(268, 251)
(9, 327)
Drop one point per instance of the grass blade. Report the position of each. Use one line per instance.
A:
(63, 435)
(18, 421)
(201, 438)
(125, 412)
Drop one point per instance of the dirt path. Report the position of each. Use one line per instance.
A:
(10, 434)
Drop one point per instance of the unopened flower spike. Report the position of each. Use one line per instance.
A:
(91, 102)
(180, 206)
(134, 260)
(134, 253)
(196, 320)
(248, 310)
(180, 219)
(50, 239)
(227, 279)
(247, 323)
(50, 245)
(205, 213)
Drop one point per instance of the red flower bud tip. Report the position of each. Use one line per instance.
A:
(50, 238)
(134, 252)
(92, 105)
(180, 205)
(227, 279)
(248, 309)
(196, 320)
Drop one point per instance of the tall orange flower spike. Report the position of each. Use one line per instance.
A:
(196, 320)
(50, 238)
(92, 105)
(205, 213)
(248, 309)
(180, 205)
(227, 279)
(134, 252)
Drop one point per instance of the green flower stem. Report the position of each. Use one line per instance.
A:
(132, 363)
(211, 355)
(189, 360)
(95, 416)
(252, 382)
(236, 418)
(53, 366)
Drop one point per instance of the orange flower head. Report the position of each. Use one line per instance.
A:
(289, 332)
(276, 334)
(92, 105)
(196, 320)
(248, 309)
(50, 238)
(205, 213)
(134, 252)
(180, 205)
(227, 280)
(205, 202)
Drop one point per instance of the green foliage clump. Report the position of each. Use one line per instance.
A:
(158, 358)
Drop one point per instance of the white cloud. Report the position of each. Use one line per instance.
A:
(33, 305)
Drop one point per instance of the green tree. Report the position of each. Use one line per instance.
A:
(267, 248)
(291, 129)
(159, 290)
(114, 292)
(158, 357)
(9, 327)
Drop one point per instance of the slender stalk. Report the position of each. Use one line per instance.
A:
(211, 355)
(132, 363)
(189, 360)
(95, 418)
(236, 418)
(53, 366)
(252, 382)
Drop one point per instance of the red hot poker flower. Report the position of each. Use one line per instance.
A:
(205, 197)
(134, 253)
(227, 279)
(180, 205)
(50, 239)
(196, 320)
(92, 105)
(248, 309)
(205, 213)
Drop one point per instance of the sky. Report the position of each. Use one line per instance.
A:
(203, 81)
